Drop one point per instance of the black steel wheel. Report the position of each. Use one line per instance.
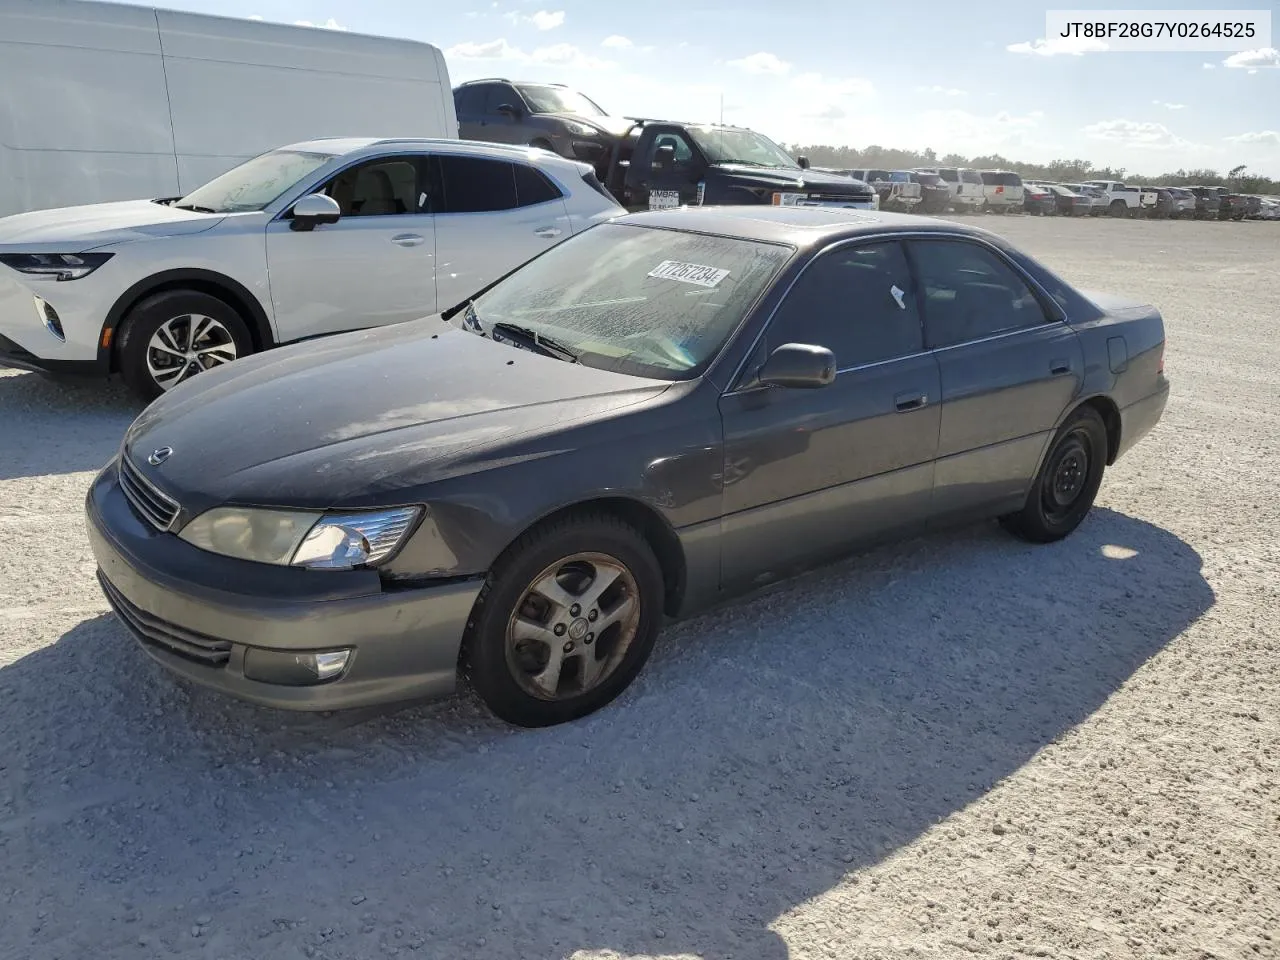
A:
(1067, 483)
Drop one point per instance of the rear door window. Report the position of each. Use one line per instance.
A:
(476, 184)
(970, 293)
(950, 175)
(533, 187)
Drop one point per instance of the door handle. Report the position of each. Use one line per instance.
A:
(547, 232)
(407, 240)
(910, 401)
(1059, 367)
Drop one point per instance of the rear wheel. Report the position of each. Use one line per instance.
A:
(1068, 481)
(1118, 209)
(170, 337)
(565, 621)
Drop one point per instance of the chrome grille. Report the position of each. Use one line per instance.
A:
(160, 633)
(156, 508)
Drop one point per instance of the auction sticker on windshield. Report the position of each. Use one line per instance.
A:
(694, 273)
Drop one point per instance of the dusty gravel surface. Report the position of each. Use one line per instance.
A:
(961, 744)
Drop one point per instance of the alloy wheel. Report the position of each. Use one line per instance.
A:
(186, 345)
(572, 626)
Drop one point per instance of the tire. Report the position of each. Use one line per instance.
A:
(1118, 209)
(143, 360)
(1067, 482)
(511, 672)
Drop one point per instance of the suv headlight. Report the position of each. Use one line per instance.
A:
(298, 538)
(56, 266)
(581, 129)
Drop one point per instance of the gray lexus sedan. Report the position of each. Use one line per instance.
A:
(667, 409)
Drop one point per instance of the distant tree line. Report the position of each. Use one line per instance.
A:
(1060, 171)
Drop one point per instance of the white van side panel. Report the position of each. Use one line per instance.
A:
(85, 116)
(323, 83)
(113, 102)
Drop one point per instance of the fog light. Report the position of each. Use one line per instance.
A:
(290, 669)
(49, 317)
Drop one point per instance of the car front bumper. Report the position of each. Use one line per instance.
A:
(202, 615)
(80, 306)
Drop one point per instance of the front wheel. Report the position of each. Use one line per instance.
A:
(565, 621)
(170, 337)
(1068, 481)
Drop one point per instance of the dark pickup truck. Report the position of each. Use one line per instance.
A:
(660, 164)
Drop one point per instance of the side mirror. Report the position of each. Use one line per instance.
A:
(803, 162)
(509, 110)
(799, 365)
(313, 210)
(664, 157)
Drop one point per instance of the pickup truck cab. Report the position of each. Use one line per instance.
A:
(662, 164)
(1122, 201)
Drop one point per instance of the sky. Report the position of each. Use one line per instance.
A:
(973, 78)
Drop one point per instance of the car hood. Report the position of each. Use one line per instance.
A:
(76, 229)
(351, 419)
(796, 179)
(615, 126)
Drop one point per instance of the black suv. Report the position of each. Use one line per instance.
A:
(547, 115)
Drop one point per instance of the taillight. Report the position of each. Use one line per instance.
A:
(999, 189)
(777, 199)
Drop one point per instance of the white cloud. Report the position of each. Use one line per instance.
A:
(547, 21)
(558, 54)
(1209, 66)
(1169, 106)
(815, 84)
(1131, 133)
(1253, 59)
(616, 42)
(542, 20)
(762, 63)
(330, 24)
(943, 91)
(1268, 138)
(1072, 46)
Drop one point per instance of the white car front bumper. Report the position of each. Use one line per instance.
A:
(33, 310)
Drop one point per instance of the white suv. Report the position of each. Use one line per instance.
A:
(310, 239)
(968, 194)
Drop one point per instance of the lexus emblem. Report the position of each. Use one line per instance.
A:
(160, 456)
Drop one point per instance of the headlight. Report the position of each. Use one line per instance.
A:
(301, 538)
(56, 266)
(580, 129)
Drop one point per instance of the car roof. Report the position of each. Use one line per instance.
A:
(802, 227)
(350, 146)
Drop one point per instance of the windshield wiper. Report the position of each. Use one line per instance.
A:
(540, 342)
(194, 208)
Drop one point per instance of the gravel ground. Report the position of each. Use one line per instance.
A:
(960, 744)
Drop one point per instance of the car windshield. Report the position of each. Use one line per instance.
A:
(642, 301)
(559, 100)
(900, 176)
(970, 176)
(723, 145)
(255, 183)
(931, 179)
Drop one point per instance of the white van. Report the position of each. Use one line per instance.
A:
(114, 102)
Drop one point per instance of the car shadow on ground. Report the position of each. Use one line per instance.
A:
(53, 426)
(768, 749)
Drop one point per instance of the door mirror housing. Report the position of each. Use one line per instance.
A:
(664, 158)
(799, 366)
(313, 210)
(510, 110)
(802, 162)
